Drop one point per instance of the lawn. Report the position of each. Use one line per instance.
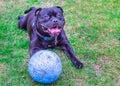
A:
(93, 29)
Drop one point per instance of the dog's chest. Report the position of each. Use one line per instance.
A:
(50, 44)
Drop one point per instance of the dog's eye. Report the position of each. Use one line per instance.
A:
(58, 15)
(46, 17)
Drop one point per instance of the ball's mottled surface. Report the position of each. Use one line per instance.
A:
(45, 67)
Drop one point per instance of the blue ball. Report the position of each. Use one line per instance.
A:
(45, 67)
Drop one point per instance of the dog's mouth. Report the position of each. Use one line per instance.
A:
(56, 30)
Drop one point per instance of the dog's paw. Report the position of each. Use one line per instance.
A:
(78, 64)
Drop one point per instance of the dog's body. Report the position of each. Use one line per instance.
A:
(45, 29)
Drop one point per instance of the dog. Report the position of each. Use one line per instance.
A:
(45, 30)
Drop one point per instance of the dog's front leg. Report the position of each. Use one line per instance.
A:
(35, 44)
(70, 54)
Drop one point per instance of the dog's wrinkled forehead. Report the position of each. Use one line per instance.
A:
(53, 11)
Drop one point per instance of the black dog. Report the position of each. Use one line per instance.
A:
(45, 29)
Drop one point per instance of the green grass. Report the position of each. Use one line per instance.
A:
(93, 29)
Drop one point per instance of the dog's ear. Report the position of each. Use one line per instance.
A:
(60, 8)
(38, 11)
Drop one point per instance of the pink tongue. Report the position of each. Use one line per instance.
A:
(55, 31)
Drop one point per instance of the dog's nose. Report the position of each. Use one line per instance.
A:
(55, 20)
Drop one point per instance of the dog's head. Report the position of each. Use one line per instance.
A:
(50, 20)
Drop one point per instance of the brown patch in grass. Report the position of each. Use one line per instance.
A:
(106, 60)
(2, 68)
(98, 68)
(2, 5)
(118, 82)
(46, 4)
(79, 81)
(50, 4)
(110, 44)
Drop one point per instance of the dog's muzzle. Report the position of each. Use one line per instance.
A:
(56, 30)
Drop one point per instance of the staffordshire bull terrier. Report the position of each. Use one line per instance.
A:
(45, 30)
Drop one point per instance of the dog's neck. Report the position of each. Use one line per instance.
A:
(46, 38)
(43, 35)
